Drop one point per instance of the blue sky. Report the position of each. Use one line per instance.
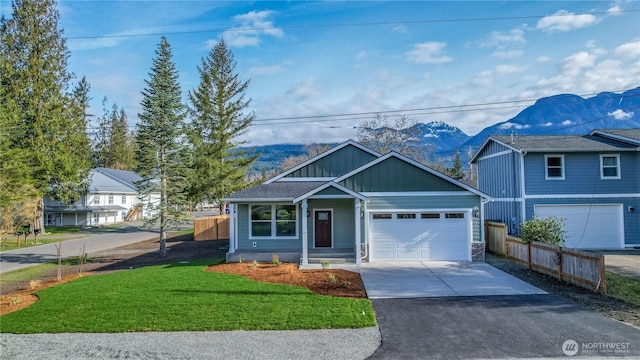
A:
(311, 59)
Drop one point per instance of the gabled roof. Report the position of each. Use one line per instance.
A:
(320, 156)
(128, 178)
(331, 184)
(555, 143)
(277, 191)
(631, 136)
(416, 164)
(103, 183)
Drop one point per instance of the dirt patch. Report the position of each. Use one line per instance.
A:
(602, 304)
(20, 299)
(332, 282)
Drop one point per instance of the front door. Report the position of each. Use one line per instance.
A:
(322, 228)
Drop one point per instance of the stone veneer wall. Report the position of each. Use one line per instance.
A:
(477, 251)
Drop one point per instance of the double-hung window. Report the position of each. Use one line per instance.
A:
(610, 166)
(273, 221)
(554, 167)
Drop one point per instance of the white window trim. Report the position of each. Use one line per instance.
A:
(546, 167)
(273, 224)
(602, 176)
(96, 200)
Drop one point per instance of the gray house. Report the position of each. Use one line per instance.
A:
(355, 201)
(591, 181)
(111, 198)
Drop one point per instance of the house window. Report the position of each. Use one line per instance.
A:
(96, 199)
(610, 166)
(110, 199)
(554, 167)
(273, 221)
(406, 216)
(124, 199)
(96, 218)
(430, 216)
(454, 216)
(381, 216)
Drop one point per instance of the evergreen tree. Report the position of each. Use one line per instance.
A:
(218, 118)
(114, 145)
(160, 152)
(100, 146)
(457, 170)
(46, 128)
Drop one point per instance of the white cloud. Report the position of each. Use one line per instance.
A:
(266, 70)
(253, 26)
(547, 124)
(430, 52)
(399, 29)
(304, 90)
(510, 125)
(567, 122)
(508, 69)
(499, 39)
(565, 21)
(629, 50)
(361, 55)
(614, 10)
(512, 54)
(621, 115)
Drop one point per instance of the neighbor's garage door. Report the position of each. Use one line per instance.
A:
(420, 236)
(588, 226)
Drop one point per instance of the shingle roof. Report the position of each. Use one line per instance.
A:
(563, 143)
(127, 177)
(285, 190)
(628, 133)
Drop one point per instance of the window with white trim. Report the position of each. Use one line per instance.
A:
(124, 199)
(96, 199)
(273, 221)
(610, 166)
(554, 167)
(110, 200)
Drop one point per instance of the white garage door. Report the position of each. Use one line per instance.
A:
(588, 226)
(420, 236)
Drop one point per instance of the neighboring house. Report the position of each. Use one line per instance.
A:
(353, 200)
(591, 181)
(111, 198)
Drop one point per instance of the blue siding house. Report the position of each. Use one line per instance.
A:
(355, 201)
(591, 181)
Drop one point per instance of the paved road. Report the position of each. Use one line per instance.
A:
(486, 327)
(99, 240)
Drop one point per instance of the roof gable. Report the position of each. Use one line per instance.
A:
(397, 173)
(630, 136)
(330, 164)
(101, 183)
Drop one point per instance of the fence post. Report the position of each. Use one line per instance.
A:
(603, 275)
(529, 255)
(505, 246)
(560, 263)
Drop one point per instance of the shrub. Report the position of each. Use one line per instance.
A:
(325, 264)
(549, 230)
(275, 259)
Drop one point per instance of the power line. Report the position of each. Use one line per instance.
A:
(406, 22)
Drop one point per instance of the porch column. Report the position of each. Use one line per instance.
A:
(232, 228)
(357, 217)
(305, 236)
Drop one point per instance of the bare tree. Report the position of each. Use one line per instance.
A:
(311, 150)
(384, 135)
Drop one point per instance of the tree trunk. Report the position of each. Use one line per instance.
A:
(163, 205)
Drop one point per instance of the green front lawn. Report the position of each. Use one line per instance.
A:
(624, 288)
(182, 297)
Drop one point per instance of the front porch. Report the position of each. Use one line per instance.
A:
(314, 256)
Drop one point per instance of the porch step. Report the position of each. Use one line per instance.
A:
(332, 260)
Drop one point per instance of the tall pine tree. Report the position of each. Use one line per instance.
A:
(218, 118)
(160, 148)
(47, 129)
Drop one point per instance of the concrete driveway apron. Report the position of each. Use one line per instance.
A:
(402, 280)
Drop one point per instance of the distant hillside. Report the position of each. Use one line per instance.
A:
(564, 114)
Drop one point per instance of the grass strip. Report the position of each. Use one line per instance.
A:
(623, 288)
(183, 297)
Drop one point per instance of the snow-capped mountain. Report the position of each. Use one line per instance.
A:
(439, 136)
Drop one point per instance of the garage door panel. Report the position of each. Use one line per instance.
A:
(420, 238)
(588, 226)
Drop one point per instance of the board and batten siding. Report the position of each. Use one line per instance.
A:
(335, 164)
(395, 175)
(499, 176)
(631, 219)
(581, 174)
(425, 202)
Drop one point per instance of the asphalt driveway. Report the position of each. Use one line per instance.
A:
(485, 327)
(439, 279)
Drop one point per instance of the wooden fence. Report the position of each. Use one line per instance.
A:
(211, 228)
(573, 266)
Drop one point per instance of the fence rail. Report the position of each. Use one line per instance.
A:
(211, 228)
(574, 266)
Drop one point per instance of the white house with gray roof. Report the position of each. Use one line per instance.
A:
(591, 181)
(111, 198)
